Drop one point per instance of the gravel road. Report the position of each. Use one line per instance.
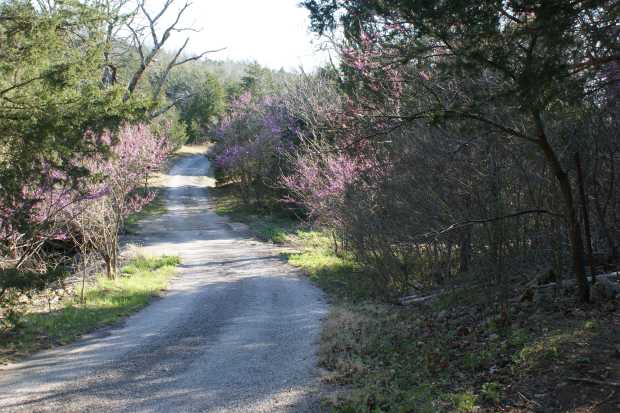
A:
(237, 331)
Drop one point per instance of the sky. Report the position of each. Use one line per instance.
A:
(272, 32)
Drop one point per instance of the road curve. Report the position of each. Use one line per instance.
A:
(237, 331)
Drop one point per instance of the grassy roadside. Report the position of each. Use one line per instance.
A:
(270, 227)
(463, 352)
(465, 357)
(153, 209)
(105, 302)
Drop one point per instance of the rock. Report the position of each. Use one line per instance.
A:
(605, 289)
(528, 295)
(238, 227)
(544, 295)
(547, 277)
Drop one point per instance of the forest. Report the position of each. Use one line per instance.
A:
(452, 174)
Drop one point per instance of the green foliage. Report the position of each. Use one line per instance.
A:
(491, 392)
(531, 47)
(273, 233)
(51, 91)
(26, 281)
(518, 338)
(464, 402)
(14, 283)
(171, 123)
(545, 348)
(204, 98)
(257, 80)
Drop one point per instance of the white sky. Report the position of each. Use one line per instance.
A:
(272, 32)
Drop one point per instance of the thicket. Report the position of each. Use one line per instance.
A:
(256, 137)
(482, 144)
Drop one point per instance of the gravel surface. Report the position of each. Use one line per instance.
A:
(237, 331)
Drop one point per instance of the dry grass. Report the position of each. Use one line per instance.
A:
(194, 149)
(335, 354)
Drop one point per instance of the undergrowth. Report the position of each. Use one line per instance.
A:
(267, 222)
(462, 359)
(105, 302)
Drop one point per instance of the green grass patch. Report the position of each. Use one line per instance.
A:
(339, 275)
(105, 302)
(227, 202)
(155, 208)
(464, 401)
(552, 346)
(267, 223)
(273, 233)
(385, 358)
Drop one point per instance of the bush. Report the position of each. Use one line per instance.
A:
(253, 147)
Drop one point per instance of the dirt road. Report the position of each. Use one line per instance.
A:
(236, 332)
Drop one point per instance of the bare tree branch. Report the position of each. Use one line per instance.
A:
(175, 62)
(158, 42)
(169, 106)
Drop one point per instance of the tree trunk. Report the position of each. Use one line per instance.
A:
(84, 268)
(133, 83)
(465, 250)
(602, 226)
(449, 261)
(114, 262)
(586, 217)
(109, 268)
(574, 229)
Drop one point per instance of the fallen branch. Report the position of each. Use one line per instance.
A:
(415, 299)
(593, 381)
(605, 400)
(569, 282)
(534, 402)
